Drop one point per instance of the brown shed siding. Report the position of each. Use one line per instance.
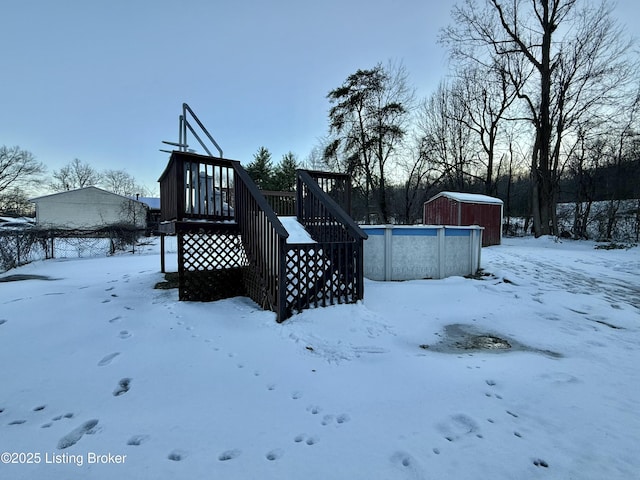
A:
(485, 215)
(443, 210)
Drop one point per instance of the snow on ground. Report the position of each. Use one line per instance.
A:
(97, 362)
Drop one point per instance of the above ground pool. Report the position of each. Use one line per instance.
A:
(399, 252)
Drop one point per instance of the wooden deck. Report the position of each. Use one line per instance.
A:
(231, 242)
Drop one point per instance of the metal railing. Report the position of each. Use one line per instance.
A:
(185, 126)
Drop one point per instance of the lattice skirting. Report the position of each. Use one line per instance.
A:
(211, 262)
(319, 275)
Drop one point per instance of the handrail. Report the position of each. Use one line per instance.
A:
(259, 198)
(336, 185)
(184, 124)
(264, 239)
(331, 205)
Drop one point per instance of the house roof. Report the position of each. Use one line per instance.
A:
(152, 202)
(468, 198)
(66, 192)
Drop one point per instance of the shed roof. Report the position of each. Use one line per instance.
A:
(468, 198)
(73, 192)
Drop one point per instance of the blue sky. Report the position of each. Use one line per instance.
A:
(104, 81)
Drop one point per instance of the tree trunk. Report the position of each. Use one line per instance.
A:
(543, 184)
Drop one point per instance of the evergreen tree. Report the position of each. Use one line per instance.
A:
(285, 173)
(261, 169)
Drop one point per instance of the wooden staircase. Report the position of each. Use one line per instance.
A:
(231, 241)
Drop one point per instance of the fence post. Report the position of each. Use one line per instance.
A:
(18, 248)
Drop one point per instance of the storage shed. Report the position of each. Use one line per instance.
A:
(88, 208)
(463, 209)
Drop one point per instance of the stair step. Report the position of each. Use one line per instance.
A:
(297, 232)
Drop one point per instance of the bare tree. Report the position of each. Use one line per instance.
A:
(15, 202)
(76, 174)
(583, 164)
(315, 160)
(486, 94)
(419, 176)
(122, 183)
(445, 138)
(580, 65)
(18, 168)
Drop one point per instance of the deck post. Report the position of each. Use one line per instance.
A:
(162, 264)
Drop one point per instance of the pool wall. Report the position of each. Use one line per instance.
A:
(398, 252)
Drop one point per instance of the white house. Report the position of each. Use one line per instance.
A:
(88, 208)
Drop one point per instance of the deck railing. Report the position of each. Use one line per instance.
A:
(321, 215)
(264, 238)
(336, 185)
(283, 203)
(197, 187)
(330, 270)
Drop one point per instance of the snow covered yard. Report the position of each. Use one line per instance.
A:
(97, 363)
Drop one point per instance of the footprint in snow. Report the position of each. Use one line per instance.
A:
(458, 426)
(137, 440)
(60, 417)
(274, 454)
(402, 458)
(123, 387)
(124, 334)
(314, 409)
(75, 435)
(107, 359)
(229, 455)
(17, 422)
(343, 418)
(296, 395)
(177, 455)
(2, 321)
(39, 408)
